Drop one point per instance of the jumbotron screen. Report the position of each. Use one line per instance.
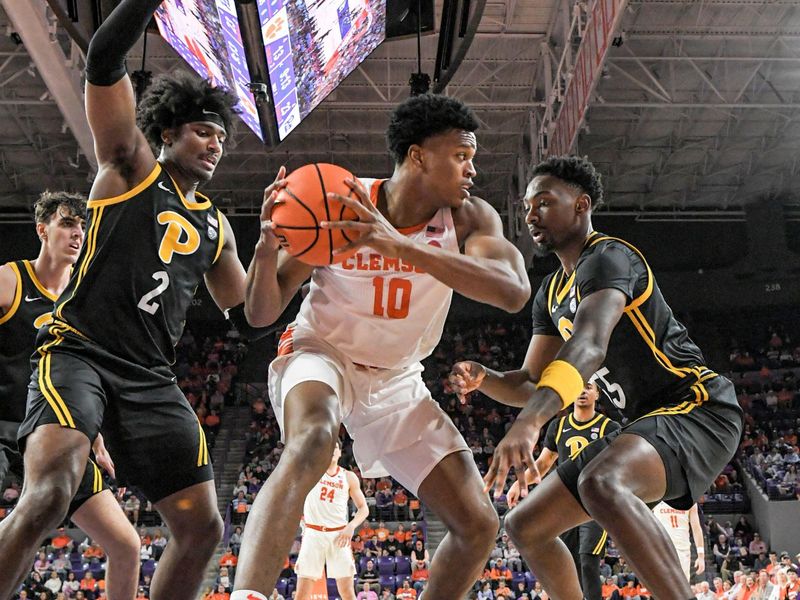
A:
(312, 46)
(206, 34)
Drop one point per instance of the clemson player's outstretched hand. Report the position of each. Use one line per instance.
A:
(466, 377)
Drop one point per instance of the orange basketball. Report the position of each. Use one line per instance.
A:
(303, 203)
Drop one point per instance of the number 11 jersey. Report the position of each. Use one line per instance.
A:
(380, 311)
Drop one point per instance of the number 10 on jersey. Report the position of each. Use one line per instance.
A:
(392, 297)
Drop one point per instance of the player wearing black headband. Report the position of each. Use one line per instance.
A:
(151, 238)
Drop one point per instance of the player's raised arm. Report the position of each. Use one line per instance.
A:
(110, 102)
(273, 276)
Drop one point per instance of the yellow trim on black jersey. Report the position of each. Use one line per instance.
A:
(202, 451)
(17, 295)
(585, 425)
(91, 246)
(46, 386)
(221, 236)
(32, 274)
(186, 203)
(560, 429)
(561, 293)
(599, 548)
(642, 298)
(130, 193)
(603, 427)
(97, 481)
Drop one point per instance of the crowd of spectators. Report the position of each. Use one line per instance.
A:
(67, 568)
(766, 377)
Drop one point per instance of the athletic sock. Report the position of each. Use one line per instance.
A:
(247, 595)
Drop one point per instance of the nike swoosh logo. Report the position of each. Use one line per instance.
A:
(165, 188)
(567, 429)
(29, 299)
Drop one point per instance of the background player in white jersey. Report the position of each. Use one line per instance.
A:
(678, 524)
(327, 531)
(354, 354)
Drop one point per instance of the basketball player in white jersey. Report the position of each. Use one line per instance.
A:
(327, 532)
(353, 355)
(678, 524)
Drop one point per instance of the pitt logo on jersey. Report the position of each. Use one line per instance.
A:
(576, 444)
(43, 320)
(180, 237)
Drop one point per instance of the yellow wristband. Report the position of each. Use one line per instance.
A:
(564, 380)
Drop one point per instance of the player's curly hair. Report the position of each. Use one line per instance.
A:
(173, 96)
(576, 171)
(48, 202)
(423, 116)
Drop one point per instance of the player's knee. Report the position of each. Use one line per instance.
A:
(310, 451)
(202, 534)
(597, 488)
(44, 505)
(123, 548)
(516, 528)
(483, 527)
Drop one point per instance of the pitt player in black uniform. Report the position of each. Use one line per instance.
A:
(105, 359)
(566, 437)
(27, 292)
(603, 313)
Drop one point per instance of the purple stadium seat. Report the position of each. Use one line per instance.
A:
(386, 565)
(148, 567)
(516, 579)
(387, 580)
(283, 583)
(400, 579)
(530, 579)
(333, 591)
(362, 564)
(402, 565)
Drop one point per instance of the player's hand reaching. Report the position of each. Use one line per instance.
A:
(344, 537)
(514, 450)
(102, 457)
(466, 377)
(268, 239)
(374, 229)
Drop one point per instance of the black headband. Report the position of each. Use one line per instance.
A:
(201, 114)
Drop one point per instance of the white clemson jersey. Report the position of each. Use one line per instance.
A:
(676, 522)
(326, 503)
(379, 311)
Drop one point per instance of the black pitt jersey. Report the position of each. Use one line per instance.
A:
(31, 308)
(143, 257)
(568, 436)
(651, 362)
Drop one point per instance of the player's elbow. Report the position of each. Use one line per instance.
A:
(258, 316)
(515, 296)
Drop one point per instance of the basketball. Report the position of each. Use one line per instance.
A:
(303, 203)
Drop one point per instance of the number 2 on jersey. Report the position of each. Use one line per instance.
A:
(325, 494)
(395, 302)
(146, 303)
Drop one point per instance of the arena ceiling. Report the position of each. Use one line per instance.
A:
(697, 111)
